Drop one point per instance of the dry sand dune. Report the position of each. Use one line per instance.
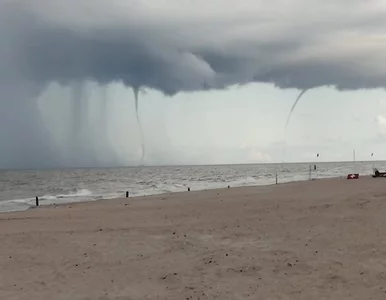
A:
(323, 239)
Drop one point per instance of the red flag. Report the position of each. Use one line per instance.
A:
(353, 176)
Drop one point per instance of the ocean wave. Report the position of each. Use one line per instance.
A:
(93, 184)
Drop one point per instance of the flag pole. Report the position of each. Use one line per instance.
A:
(315, 168)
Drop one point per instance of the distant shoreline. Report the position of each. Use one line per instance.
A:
(42, 205)
(19, 189)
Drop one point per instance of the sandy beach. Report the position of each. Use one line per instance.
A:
(305, 240)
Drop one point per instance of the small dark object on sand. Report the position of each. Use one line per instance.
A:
(378, 174)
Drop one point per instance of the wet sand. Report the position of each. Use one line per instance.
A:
(322, 239)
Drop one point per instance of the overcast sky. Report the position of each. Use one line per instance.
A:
(217, 79)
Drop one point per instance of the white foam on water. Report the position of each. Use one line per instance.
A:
(82, 195)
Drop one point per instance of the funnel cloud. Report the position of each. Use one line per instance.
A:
(172, 47)
(136, 94)
(294, 106)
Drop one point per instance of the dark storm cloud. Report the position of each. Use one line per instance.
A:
(171, 46)
(189, 45)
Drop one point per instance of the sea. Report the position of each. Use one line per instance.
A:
(18, 189)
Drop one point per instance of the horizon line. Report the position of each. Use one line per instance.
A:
(186, 165)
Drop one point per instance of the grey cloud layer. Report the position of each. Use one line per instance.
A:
(182, 45)
(168, 45)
